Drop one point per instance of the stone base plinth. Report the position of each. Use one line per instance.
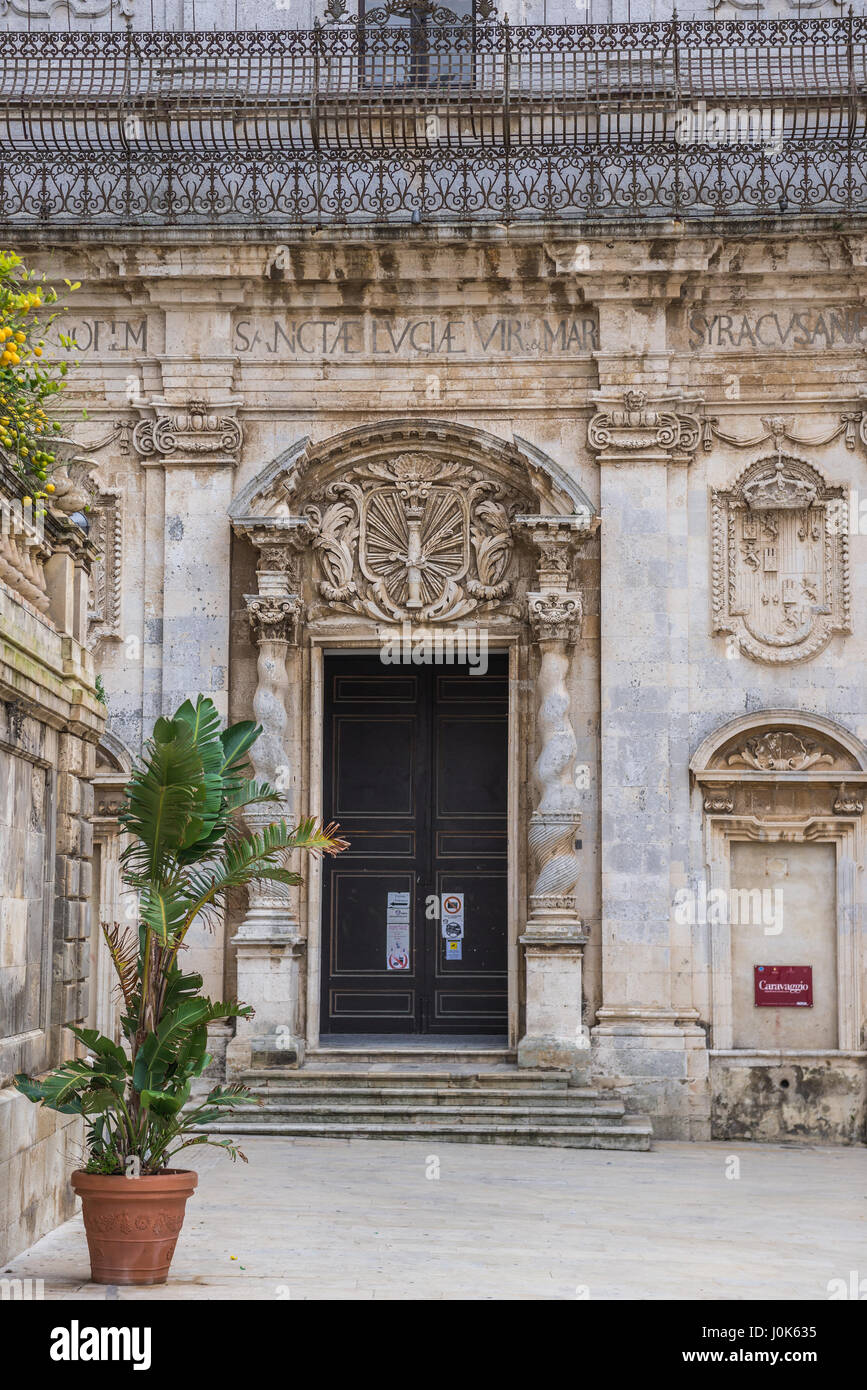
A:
(658, 1059)
(554, 1034)
(269, 978)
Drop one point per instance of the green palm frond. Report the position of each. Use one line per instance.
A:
(236, 742)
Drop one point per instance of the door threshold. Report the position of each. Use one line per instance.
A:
(493, 1043)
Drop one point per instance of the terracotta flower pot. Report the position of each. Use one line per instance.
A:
(133, 1224)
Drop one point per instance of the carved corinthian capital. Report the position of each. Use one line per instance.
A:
(555, 616)
(274, 618)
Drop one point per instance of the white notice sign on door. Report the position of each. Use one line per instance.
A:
(397, 931)
(452, 916)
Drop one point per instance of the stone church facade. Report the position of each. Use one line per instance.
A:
(630, 464)
(672, 569)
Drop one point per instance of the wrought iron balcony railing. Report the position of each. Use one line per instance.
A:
(366, 122)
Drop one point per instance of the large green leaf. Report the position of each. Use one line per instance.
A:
(236, 742)
(166, 1103)
(98, 1102)
(178, 987)
(203, 721)
(164, 909)
(162, 796)
(64, 1089)
(112, 1054)
(159, 1050)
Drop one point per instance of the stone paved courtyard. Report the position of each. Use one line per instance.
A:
(316, 1219)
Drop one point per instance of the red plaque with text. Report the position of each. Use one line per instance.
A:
(783, 986)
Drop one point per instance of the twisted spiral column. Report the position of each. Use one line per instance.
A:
(553, 940)
(556, 819)
(270, 946)
(273, 621)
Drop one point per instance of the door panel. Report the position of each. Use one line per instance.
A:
(365, 782)
(470, 762)
(415, 770)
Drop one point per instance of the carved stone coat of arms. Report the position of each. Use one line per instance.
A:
(780, 561)
(413, 538)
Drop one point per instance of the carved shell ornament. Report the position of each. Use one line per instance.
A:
(415, 537)
(780, 750)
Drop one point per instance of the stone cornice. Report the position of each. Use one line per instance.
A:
(556, 540)
(291, 532)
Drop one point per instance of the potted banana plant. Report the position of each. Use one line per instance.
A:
(187, 849)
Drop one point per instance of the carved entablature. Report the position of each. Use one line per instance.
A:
(279, 542)
(414, 520)
(414, 537)
(198, 432)
(781, 561)
(782, 765)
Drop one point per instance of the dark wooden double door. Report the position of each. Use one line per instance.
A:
(415, 771)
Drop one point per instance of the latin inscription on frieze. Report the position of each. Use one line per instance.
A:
(778, 329)
(424, 337)
(95, 337)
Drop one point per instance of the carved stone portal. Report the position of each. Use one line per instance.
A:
(413, 538)
(780, 561)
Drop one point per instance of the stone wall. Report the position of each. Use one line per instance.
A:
(50, 721)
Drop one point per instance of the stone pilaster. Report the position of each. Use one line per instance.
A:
(188, 439)
(270, 944)
(647, 1034)
(554, 939)
(195, 443)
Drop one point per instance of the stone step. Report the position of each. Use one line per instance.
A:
(373, 1113)
(507, 1076)
(434, 1095)
(427, 1045)
(635, 1133)
(417, 1056)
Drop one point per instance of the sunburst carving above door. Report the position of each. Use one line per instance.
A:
(414, 538)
